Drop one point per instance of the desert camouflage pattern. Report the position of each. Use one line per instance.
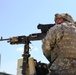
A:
(66, 16)
(59, 47)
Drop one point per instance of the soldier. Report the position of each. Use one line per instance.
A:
(59, 46)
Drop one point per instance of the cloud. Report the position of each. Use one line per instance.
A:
(31, 48)
(20, 49)
(35, 48)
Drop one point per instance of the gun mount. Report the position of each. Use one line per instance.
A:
(26, 41)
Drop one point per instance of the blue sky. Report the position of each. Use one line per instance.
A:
(21, 17)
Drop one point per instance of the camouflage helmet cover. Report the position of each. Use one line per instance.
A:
(66, 16)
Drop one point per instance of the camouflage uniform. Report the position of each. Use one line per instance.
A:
(59, 47)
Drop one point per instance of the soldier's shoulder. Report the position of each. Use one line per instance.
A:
(57, 26)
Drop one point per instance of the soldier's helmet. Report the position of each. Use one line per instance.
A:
(59, 18)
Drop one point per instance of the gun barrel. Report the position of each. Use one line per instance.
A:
(4, 39)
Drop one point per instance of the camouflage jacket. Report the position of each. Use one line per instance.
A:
(59, 47)
(60, 40)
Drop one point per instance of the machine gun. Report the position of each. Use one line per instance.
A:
(26, 41)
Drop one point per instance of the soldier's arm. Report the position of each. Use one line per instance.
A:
(53, 35)
(49, 42)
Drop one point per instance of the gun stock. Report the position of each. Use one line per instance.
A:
(45, 27)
